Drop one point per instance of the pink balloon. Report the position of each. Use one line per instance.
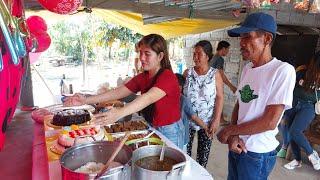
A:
(36, 24)
(34, 57)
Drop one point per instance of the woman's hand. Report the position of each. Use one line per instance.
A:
(206, 130)
(109, 117)
(212, 130)
(75, 100)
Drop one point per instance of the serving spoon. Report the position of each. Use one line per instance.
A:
(162, 152)
(114, 154)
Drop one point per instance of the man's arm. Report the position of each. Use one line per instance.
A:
(199, 121)
(227, 82)
(268, 121)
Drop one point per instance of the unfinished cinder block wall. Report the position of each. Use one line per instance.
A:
(233, 62)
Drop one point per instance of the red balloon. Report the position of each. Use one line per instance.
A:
(42, 39)
(61, 6)
(36, 23)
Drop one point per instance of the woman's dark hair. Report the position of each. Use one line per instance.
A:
(158, 44)
(312, 76)
(206, 47)
(181, 79)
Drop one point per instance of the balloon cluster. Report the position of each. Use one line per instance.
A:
(38, 33)
(11, 34)
(39, 40)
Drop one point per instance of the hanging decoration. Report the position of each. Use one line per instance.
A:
(38, 40)
(12, 51)
(36, 23)
(310, 6)
(261, 4)
(43, 41)
(1, 61)
(31, 43)
(5, 19)
(61, 6)
(315, 7)
(33, 57)
(303, 5)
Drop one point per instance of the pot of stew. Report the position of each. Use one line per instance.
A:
(146, 163)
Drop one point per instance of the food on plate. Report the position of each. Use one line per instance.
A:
(150, 141)
(94, 168)
(40, 114)
(153, 163)
(126, 126)
(67, 138)
(68, 117)
(137, 140)
(135, 136)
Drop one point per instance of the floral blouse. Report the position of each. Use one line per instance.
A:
(201, 90)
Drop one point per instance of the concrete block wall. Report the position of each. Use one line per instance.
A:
(232, 61)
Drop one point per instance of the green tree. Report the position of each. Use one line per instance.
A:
(80, 38)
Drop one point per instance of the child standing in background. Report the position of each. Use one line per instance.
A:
(187, 113)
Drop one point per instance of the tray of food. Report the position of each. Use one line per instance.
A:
(122, 127)
(72, 135)
(139, 138)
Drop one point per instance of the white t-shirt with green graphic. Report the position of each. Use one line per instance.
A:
(270, 84)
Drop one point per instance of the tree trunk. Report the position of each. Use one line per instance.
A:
(110, 52)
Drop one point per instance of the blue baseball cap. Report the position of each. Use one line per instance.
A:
(254, 22)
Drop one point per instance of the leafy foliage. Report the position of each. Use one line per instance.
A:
(74, 38)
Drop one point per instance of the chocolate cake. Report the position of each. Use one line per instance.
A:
(68, 117)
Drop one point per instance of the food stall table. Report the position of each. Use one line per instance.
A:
(44, 167)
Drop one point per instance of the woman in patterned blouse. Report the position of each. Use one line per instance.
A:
(204, 88)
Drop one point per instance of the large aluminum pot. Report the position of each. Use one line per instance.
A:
(98, 151)
(139, 173)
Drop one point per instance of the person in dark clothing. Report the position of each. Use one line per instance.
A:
(299, 117)
(217, 62)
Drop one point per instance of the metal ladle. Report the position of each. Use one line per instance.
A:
(162, 152)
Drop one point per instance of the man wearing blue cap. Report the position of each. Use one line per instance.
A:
(265, 91)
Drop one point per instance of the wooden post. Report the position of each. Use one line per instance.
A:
(26, 96)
